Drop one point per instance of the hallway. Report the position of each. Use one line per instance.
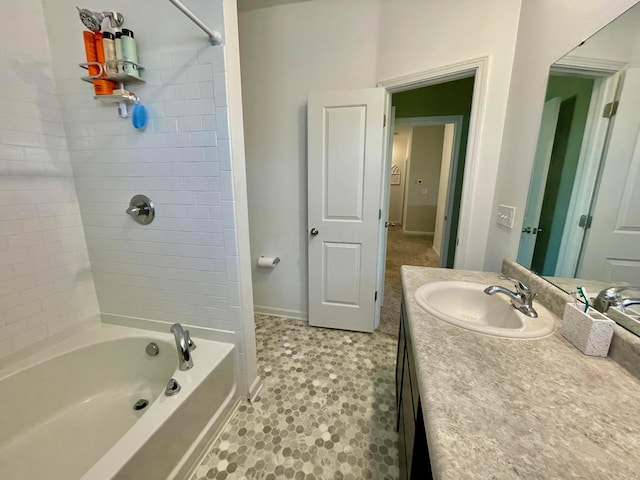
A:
(402, 249)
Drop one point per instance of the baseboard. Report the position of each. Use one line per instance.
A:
(436, 250)
(214, 334)
(418, 233)
(280, 312)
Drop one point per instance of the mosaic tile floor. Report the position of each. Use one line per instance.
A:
(326, 410)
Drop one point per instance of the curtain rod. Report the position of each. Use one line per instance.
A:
(215, 38)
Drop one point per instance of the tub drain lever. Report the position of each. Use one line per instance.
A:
(173, 387)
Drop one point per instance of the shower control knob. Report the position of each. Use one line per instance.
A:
(141, 209)
(314, 232)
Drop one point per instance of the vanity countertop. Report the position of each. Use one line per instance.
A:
(518, 409)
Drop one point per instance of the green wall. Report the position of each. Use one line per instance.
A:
(451, 98)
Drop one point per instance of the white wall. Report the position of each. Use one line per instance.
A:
(287, 52)
(424, 167)
(419, 36)
(399, 158)
(184, 267)
(443, 185)
(547, 31)
(45, 276)
(290, 50)
(613, 42)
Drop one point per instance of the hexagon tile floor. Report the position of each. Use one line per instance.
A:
(326, 410)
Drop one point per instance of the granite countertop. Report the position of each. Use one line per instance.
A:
(518, 409)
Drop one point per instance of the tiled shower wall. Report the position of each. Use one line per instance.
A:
(45, 276)
(183, 267)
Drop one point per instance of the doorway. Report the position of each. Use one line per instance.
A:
(552, 232)
(427, 152)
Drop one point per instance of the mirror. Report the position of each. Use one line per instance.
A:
(582, 219)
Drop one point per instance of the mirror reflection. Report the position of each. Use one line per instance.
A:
(582, 219)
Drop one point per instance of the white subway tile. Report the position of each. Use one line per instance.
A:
(176, 109)
(164, 125)
(195, 184)
(213, 226)
(220, 95)
(229, 214)
(207, 169)
(214, 57)
(224, 154)
(208, 122)
(203, 106)
(226, 185)
(192, 154)
(188, 91)
(198, 73)
(222, 122)
(206, 90)
(190, 124)
(215, 212)
(182, 170)
(204, 139)
(183, 58)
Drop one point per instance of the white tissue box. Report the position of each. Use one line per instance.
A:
(589, 332)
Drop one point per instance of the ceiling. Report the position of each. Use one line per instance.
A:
(248, 5)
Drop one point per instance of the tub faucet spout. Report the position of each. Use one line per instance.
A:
(185, 346)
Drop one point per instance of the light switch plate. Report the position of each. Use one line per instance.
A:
(506, 214)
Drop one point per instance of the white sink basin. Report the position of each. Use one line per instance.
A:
(465, 305)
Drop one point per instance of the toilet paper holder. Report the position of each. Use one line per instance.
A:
(268, 262)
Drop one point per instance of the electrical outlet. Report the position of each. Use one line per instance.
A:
(506, 215)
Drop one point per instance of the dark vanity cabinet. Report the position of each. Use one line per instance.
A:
(412, 441)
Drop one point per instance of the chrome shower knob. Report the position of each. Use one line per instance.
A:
(141, 209)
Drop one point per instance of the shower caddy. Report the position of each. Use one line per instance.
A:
(116, 71)
(121, 77)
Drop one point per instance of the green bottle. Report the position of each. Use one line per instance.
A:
(129, 52)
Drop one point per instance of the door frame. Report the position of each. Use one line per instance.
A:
(477, 68)
(456, 120)
(605, 76)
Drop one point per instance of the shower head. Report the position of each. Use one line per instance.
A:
(93, 20)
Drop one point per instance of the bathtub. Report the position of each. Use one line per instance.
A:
(67, 411)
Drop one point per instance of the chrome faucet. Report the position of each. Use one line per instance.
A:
(611, 297)
(521, 299)
(185, 346)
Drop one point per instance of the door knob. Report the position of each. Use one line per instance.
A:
(314, 232)
(141, 209)
(526, 230)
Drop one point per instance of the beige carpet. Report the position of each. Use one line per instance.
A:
(401, 250)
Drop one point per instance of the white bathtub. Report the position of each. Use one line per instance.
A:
(67, 412)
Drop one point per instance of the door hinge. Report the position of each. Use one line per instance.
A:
(379, 213)
(384, 120)
(375, 297)
(585, 221)
(610, 109)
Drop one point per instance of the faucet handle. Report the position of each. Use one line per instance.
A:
(190, 343)
(521, 287)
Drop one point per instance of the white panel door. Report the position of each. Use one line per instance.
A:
(345, 136)
(612, 250)
(538, 180)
